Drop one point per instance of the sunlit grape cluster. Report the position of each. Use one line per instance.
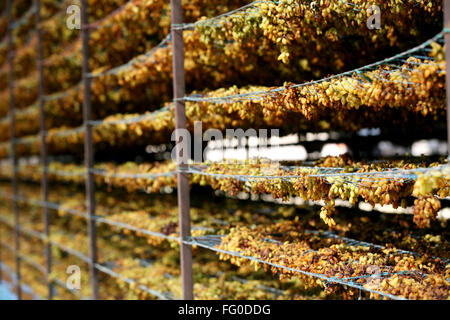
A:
(291, 249)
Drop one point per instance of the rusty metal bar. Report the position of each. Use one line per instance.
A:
(447, 65)
(44, 158)
(12, 115)
(182, 175)
(89, 151)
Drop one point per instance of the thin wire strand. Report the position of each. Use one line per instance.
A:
(72, 291)
(355, 178)
(161, 296)
(27, 15)
(215, 239)
(133, 61)
(96, 24)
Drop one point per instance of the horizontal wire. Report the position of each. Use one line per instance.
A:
(399, 175)
(95, 123)
(243, 97)
(98, 266)
(66, 92)
(92, 25)
(66, 132)
(57, 96)
(161, 44)
(115, 12)
(265, 288)
(104, 173)
(75, 292)
(56, 206)
(115, 70)
(25, 17)
(330, 175)
(67, 52)
(133, 176)
(134, 60)
(32, 263)
(132, 228)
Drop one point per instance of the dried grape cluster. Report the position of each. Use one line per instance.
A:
(286, 182)
(137, 35)
(110, 175)
(384, 191)
(316, 33)
(212, 283)
(230, 63)
(263, 226)
(25, 93)
(24, 64)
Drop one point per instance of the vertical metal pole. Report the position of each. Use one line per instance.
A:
(12, 122)
(44, 160)
(89, 151)
(447, 65)
(180, 123)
